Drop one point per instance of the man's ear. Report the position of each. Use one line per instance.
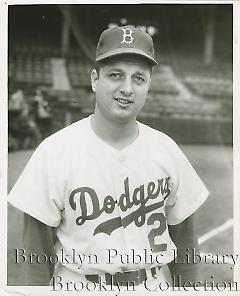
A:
(94, 79)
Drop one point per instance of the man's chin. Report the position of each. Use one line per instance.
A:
(124, 117)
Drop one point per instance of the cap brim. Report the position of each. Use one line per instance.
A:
(120, 51)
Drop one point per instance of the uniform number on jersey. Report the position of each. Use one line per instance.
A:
(159, 217)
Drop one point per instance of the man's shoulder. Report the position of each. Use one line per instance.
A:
(156, 135)
(69, 131)
(66, 137)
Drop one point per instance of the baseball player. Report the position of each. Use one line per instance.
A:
(108, 197)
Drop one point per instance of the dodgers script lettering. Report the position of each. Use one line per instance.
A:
(159, 191)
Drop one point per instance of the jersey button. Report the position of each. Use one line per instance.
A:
(122, 158)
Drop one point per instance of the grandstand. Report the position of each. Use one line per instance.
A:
(190, 96)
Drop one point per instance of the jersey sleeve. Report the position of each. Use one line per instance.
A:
(189, 193)
(38, 191)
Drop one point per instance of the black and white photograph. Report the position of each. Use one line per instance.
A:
(120, 148)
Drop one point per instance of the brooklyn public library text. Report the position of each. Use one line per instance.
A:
(113, 256)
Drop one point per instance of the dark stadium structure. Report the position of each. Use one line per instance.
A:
(52, 47)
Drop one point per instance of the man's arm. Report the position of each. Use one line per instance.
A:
(39, 239)
(184, 237)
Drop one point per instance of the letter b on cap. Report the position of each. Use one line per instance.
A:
(127, 35)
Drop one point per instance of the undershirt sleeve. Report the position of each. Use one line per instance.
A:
(39, 239)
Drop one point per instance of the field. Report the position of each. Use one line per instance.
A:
(213, 220)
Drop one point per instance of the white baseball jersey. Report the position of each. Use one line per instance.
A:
(111, 207)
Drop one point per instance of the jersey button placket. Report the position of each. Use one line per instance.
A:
(124, 173)
(121, 165)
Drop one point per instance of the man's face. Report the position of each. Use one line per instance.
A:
(121, 88)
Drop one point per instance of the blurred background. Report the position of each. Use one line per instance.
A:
(51, 55)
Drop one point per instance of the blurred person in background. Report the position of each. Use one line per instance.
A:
(23, 131)
(17, 101)
(42, 113)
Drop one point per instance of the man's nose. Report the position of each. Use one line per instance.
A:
(127, 87)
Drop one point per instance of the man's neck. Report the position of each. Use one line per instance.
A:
(118, 135)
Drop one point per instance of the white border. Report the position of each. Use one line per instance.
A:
(20, 2)
(236, 130)
(3, 140)
(42, 291)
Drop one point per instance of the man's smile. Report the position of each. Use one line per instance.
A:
(123, 102)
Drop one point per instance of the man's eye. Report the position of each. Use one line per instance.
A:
(115, 75)
(139, 78)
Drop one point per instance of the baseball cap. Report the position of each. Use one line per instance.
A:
(125, 40)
